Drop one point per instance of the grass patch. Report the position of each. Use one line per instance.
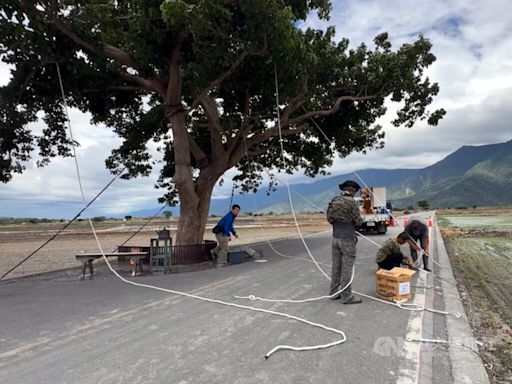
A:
(482, 264)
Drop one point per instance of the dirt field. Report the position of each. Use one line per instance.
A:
(480, 248)
(18, 241)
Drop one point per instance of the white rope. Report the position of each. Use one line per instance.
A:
(287, 185)
(256, 298)
(380, 203)
(441, 341)
(281, 314)
(401, 305)
(260, 225)
(323, 210)
(275, 313)
(77, 168)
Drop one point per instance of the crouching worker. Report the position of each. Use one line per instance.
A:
(390, 255)
(343, 214)
(223, 231)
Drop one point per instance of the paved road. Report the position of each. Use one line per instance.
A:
(61, 330)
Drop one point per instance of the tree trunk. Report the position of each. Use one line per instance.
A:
(194, 197)
(193, 216)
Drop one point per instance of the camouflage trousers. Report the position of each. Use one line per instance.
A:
(343, 257)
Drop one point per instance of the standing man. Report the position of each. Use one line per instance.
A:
(343, 214)
(418, 232)
(390, 254)
(223, 231)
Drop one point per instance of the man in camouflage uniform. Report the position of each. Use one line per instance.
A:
(343, 214)
(390, 255)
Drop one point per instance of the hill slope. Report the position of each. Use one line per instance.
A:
(484, 178)
(472, 175)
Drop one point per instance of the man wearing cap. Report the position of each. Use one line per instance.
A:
(418, 232)
(343, 214)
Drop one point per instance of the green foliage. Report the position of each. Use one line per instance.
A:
(167, 214)
(116, 63)
(423, 204)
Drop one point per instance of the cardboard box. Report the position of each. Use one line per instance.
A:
(394, 285)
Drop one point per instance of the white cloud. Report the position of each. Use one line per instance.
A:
(471, 40)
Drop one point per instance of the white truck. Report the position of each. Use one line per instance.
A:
(374, 209)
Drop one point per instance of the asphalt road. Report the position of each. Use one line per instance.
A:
(61, 330)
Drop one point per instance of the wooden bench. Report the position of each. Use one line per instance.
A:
(135, 260)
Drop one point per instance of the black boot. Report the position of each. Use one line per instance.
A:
(425, 263)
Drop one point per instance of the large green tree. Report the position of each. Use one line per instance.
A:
(197, 76)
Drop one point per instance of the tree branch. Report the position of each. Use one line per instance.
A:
(107, 50)
(245, 127)
(228, 72)
(149, 84)
(30, 76)
(210, 27)
(326, 112)
(273, 132)
(195, 149)
(210, 109)
(128, 88)
(239, 152)
(297, 101)
(173, 94)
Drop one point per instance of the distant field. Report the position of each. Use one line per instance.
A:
(490, 222)
(480, 248)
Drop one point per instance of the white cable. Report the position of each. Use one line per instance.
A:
(323, 210)
(77, 168)
(260, 225)
(256, 298)
(281, 314)
(441, 341)
(287, 185)
(380, 203)
(292, 317)
(410, 306)
(401, 305)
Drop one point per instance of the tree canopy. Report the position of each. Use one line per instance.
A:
(197, 76)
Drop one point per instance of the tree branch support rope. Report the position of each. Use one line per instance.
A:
(401, 305)
(292, 317)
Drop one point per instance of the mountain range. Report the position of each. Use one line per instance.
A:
(472, 175)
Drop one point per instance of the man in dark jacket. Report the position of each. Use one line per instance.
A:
(343, 214)
(418, 232)
(223, 231)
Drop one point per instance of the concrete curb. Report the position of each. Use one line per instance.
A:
(467, 366)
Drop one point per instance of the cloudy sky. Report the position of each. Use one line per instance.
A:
(471, 39)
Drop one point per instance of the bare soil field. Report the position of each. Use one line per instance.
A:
(18, 241)
(481, 257)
